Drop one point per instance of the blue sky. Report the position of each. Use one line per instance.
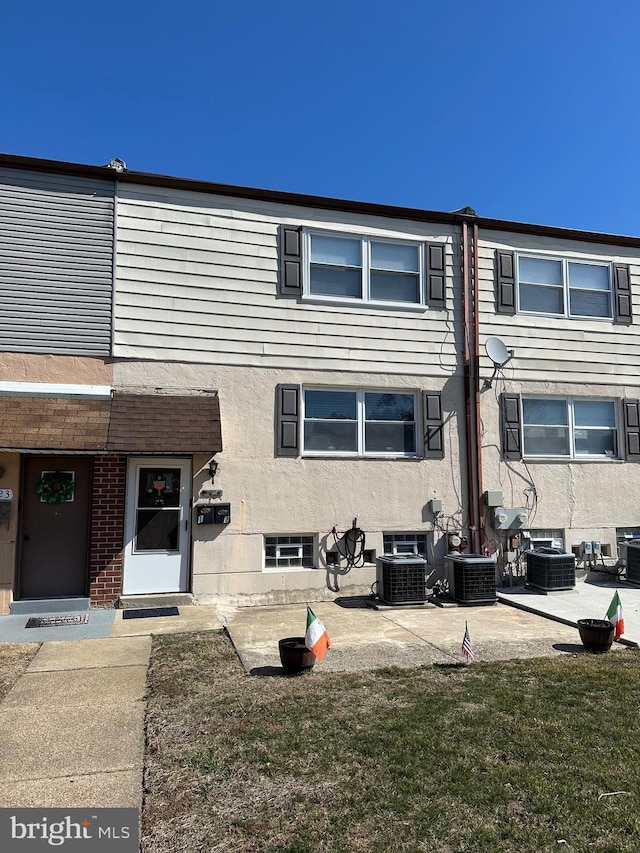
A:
(525, 111)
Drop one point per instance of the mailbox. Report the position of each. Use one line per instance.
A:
(204, 515)
(221, 513)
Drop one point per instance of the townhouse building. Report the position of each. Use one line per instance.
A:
(247, 396)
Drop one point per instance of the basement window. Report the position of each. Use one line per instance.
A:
(405, 544)
(544, 538)
(288, 552)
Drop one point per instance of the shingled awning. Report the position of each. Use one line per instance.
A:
(160, 423)
(126, 423)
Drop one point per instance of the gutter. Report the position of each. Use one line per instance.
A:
(129, 176)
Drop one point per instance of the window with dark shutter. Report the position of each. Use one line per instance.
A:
(290, 251)
(631, 430)
(505, 283)
(287, 420)
(510, 426)
(433, 426)
(436, 280)
(622, 290)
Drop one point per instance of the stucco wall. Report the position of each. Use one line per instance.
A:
(587, 499)
(78, 370)
(272, 496)
(8, 533)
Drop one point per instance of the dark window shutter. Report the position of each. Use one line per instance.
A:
(433, 428)
(288, 420)
(622, 291)
(290, 251)
(510, 426)
(436, 279)
(631, 430)
(505, 283)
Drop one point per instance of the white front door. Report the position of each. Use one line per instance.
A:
(156, 554)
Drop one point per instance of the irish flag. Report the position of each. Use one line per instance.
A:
(316, 639)
(614, 615)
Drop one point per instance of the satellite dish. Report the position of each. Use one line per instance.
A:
(497, 351)
(499, 355)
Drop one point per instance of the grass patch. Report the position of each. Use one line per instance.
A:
(14, 659)
(495, 757)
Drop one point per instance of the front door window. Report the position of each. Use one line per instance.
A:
(158, 510)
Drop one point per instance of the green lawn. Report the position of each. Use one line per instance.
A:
(532, 755)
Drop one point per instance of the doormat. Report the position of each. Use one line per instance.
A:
(150, 612)
(57, 621)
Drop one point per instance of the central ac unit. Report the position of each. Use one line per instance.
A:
(549, 570)
(401, 580)
(633, 561)
(471, 578)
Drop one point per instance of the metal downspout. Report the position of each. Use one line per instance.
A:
(471, 384)
(476, 393)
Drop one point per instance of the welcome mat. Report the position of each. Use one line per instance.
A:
(150, 612)
(57, 621)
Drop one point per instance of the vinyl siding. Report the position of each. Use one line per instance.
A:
(555, 349)
(197, 280)
(56, 263)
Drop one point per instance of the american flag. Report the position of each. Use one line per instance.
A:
(467, 651)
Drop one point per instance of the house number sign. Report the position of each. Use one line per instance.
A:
(6, 494)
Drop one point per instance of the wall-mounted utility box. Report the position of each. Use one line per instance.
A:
(435, 505)
(505, 518)
(221, 513)
(493, 497)
(204, 515)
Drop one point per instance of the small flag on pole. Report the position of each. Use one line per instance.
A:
(467, 651)
(614, 615)
(316, 639)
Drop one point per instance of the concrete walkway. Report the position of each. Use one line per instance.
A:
(73, 724)
(589, 599)
(363, 638)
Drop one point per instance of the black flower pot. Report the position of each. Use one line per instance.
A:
(294, 655)
(596, 634)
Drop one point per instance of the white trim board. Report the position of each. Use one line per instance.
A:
(52, 389)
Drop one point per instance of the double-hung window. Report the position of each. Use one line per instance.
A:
(359, 423)
(570, 428)
(564, 288)
(354, 268)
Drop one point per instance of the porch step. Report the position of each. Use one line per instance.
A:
(48, 605)
(164, 599)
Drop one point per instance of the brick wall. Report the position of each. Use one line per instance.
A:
(107, 529)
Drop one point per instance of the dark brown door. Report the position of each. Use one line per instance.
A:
(53, 559)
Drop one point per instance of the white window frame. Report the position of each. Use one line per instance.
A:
(571, 428)
(282, 545)
(405, 539)
(545, 537)
(365, 249)
(566, 289)
(361, 423)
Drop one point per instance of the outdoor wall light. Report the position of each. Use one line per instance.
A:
(213, 467)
